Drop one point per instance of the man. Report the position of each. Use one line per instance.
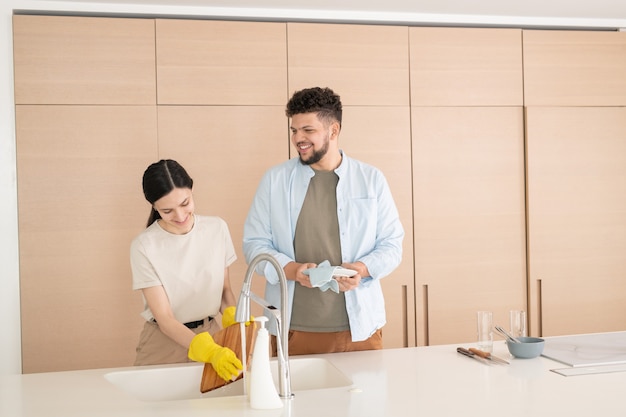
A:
(325, 206)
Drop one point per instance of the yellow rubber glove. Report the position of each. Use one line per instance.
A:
(228, 317)
(204, 349)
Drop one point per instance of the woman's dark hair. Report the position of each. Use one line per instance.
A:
(160, 179)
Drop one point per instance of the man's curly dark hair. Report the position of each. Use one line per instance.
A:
(322, 101)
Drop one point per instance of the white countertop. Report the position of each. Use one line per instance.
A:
(423, 381)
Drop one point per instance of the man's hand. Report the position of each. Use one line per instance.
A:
(348, 283)
(301, 278)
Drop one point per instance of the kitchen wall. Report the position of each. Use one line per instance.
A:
(10, 345)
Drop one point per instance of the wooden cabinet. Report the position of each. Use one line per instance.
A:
(469, 218)
(366, 65)
(221, 63)
(226, 150)
(438, 110)
(466, 67)
(467, 178)
(574, 82)
(82, 147)
(577, 219)
(574, 68)
(386, 144)
(80, 203)
(83, 60)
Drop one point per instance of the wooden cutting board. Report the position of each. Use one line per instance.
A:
(229, 337)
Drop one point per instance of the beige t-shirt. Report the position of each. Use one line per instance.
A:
(316, 240)
(190, 267)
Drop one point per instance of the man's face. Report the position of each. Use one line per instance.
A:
(310, 137)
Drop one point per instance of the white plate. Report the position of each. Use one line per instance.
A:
(343, 272)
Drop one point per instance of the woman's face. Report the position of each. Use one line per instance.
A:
(176, 210)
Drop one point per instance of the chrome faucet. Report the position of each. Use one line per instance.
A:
(242, 315)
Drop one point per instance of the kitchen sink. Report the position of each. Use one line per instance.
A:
(182, 381)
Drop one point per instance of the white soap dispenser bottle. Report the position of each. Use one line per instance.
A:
(262, 392)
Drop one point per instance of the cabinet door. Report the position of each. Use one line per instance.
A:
(469, 218)
(80, 204)
(466, 67)
(386, 144)
(365, 65)
(368, 67)
(222, 63)
(226, 150)
(577, 219)
(574, 68)
(83, 60)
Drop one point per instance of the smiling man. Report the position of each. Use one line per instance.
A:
(319, 210)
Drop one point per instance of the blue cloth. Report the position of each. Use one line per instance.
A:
(369, 229)
(322, 277)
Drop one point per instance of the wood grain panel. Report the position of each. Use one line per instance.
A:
(222, 63)
(577, 218)
(466, 67)
(226, 150)
(80, 204)
(83, 60)
(366, 65)
(469, 217)
(229, 337)
(386, 144)
(574, 68)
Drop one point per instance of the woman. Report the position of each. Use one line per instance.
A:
(180, 263)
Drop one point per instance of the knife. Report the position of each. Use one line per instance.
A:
(469, 354)
(487, 355)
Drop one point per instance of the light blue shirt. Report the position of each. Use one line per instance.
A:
(369, 229)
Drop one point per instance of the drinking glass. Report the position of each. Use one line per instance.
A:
(485, 330)
(517, 320)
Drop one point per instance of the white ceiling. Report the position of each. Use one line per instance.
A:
(556, 13)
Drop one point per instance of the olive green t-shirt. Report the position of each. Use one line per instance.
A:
(316, 240)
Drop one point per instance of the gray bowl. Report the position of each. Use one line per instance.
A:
(531, 347)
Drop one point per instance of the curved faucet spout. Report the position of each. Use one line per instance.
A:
(242, 315)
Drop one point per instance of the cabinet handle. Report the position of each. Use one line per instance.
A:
(405, 317)
(425, 312)
(539, 309)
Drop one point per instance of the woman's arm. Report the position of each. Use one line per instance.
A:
(159, 304)
(228, 298)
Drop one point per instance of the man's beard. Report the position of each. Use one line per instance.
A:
(317, 155)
